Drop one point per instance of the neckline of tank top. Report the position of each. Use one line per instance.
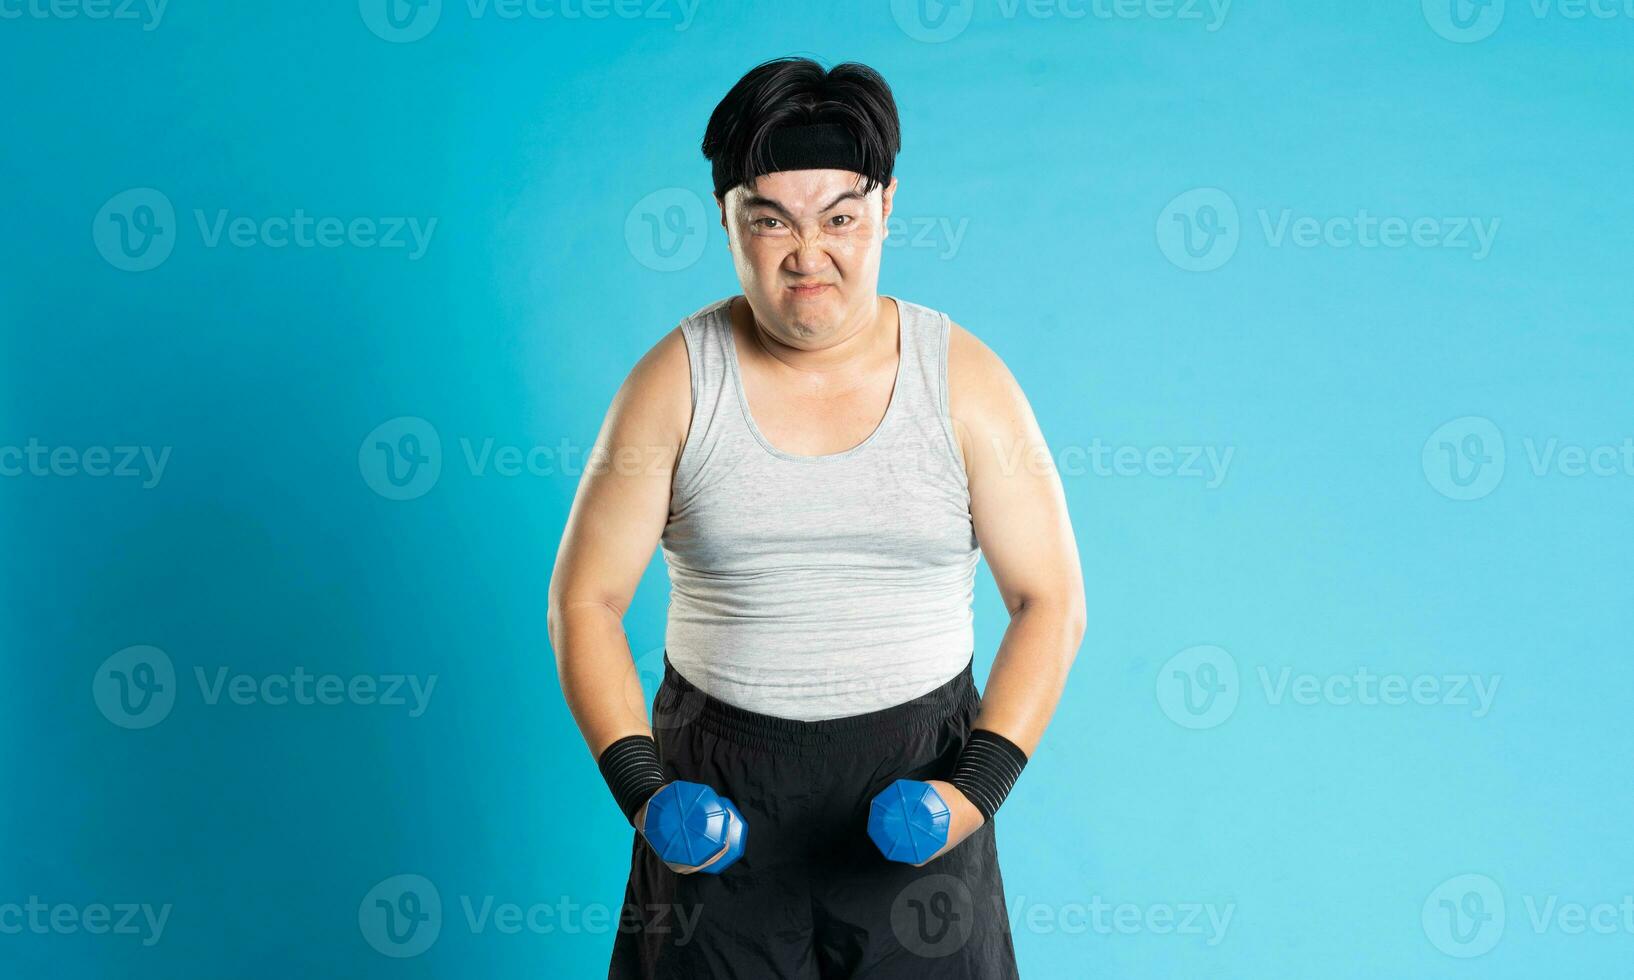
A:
(890, 407)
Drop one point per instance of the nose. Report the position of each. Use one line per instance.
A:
(807, 259)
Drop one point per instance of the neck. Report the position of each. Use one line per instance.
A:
(855, 345)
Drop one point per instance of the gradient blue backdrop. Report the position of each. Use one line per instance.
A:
(1049, 151)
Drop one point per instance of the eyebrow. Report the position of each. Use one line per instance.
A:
(757, 201)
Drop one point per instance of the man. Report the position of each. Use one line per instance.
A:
(831, 464)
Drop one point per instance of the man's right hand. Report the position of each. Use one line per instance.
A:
(686, 869)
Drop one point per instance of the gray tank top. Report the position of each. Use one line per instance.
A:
(815, 587)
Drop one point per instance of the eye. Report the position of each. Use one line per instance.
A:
(763, 222)
(844, 219)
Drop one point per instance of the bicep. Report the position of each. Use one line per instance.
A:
(622, 502)
(1017, 504)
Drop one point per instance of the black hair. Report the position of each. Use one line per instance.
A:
(799, 91)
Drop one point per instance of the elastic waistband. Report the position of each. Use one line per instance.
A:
(680, 702)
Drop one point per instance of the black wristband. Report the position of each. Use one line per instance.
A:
(987, 768)
(633, 772)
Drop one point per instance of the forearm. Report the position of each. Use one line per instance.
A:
(1030, 671)
(1028, 675)
(597, 672)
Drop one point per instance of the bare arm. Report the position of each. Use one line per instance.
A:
(1020, 517)
(612, 530)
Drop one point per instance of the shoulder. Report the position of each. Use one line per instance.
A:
(662, 369)
(653, 405)
(980, 384)
(986, 405)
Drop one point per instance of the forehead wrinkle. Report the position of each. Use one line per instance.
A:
(761, 201)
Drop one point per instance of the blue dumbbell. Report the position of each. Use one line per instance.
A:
(908, 821)
(687, 823)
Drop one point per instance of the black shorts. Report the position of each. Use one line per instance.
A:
(812, 897)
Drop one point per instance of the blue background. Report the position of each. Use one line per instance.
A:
(1054, 145)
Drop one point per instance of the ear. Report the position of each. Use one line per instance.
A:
(885, 198)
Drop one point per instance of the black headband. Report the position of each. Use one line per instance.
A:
(816, 146)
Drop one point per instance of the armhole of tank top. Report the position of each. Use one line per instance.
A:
(686, 463)
(944, 411)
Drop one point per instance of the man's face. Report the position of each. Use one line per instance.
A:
(807, 228)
